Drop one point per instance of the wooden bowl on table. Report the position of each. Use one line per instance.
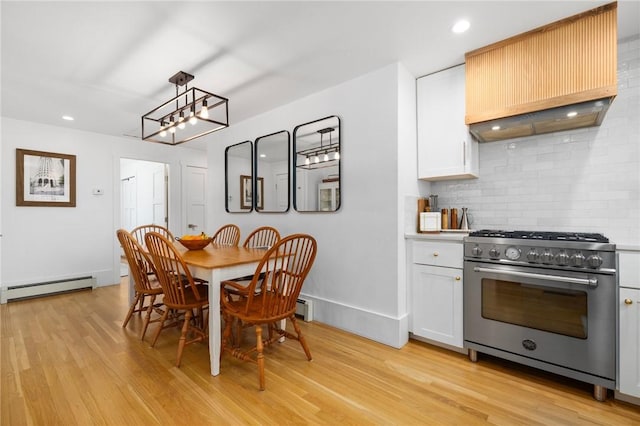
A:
(196, 243)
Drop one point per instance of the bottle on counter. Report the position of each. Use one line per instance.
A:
(464, 222)
(445, 218)
(454, 218)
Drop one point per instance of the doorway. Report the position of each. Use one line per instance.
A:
(144, 193)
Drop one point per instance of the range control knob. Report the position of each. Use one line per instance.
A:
(494, 252)
(532, 256)
(594, 261)
(546, 257)
(562, 258)
(577, 260)
(476, 251)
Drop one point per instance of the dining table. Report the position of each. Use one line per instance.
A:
(216, 263)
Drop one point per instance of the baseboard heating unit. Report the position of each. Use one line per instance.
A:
(304, 309)
(27, 291)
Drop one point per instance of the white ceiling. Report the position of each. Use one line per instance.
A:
(106, 63)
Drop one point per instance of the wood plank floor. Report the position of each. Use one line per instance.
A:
(66, 360)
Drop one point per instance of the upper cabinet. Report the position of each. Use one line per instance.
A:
(446, 149)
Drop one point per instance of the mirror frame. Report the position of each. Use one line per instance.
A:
(295, 165)
(257, 179)
(226, 177)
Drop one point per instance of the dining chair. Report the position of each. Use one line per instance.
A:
(181, 294)
(140, 231)
(284, 267)
(227, 235)
(145, 284)
(262, 237)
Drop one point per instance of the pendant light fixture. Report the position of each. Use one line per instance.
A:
(205, 112)
(323, 155)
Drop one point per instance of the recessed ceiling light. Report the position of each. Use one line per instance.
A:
(67, 117)
(572, 114)
(263, 155)
(460, 26)
(495, 128)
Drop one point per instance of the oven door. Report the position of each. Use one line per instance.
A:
(558, 317)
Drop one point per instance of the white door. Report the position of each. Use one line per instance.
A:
(128, 203)
(282, 191)
(196, 200)
(160, 188)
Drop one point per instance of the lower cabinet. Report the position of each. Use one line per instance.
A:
(629, 383)
(437, 304)
(435, 291)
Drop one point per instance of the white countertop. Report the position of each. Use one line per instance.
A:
(448, 236)
(628, 247)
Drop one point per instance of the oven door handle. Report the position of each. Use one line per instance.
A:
(590, 282)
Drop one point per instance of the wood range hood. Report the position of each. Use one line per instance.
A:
(561, 76)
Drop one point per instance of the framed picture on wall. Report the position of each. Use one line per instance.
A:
(246, 198)
(45, 179)
(260, 194)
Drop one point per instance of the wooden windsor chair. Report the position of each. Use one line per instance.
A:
(227, 235)
(285, 266)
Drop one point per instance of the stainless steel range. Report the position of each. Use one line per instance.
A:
(543, 299)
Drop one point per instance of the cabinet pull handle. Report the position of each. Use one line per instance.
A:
(464, 153)
(628, 301)
(458, 278)
(435, 254)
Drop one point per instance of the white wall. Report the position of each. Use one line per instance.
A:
(355, 282)
(49, 243)
(583, 180)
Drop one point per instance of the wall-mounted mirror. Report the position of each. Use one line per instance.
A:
(238, 188)
(272, 172)
(316, 147)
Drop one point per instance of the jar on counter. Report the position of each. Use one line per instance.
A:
(454, 218)
(445, 218)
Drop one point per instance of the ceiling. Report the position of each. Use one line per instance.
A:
(106, 63)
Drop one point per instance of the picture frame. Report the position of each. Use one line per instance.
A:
(45, 179)
(246, 190)
(260, 194)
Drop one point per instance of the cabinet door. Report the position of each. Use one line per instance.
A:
(436, 308)
(446, 150)
(629, 382)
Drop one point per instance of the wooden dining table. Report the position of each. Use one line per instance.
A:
(215, 264)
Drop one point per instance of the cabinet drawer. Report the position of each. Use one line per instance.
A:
(438, 253)
(629, 269)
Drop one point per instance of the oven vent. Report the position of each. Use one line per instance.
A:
(304, 309)
(28, 291)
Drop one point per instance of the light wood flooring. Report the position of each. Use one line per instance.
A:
(66, 360)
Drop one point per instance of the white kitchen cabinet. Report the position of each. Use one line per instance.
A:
(629, 325)
(446, 149)
(328, 196)
(436, 291)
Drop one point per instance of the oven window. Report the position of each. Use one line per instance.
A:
(544, 308)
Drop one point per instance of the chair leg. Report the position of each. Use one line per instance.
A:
(131, 310)
(226, 333)
(303, 342)
(260, 356)
(165, 314)
(183, 336)
(147, 318)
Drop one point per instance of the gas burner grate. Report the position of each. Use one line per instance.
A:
(539, 235)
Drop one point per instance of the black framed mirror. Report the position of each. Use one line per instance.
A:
(316, 165)
(272, 177)
(238, 185)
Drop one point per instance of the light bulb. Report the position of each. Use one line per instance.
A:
(306, 161)
(181, 125)
(204, 112)
(172, 129)
(326, 157)
(181, 121)
(316, 159)
(336, 156)
(192, 118)
(163, 133)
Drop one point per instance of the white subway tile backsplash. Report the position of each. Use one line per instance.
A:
(585, 180)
